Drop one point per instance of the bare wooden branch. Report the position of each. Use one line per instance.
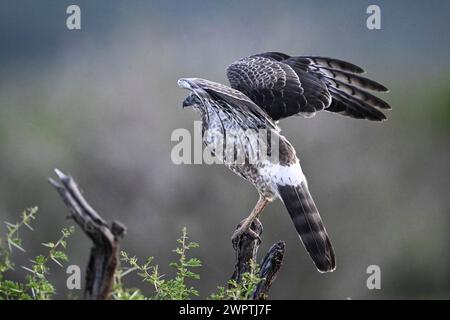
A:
(246, 249)
(270, 266)
(104, 254)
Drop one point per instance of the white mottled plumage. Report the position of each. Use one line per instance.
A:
(283, 175)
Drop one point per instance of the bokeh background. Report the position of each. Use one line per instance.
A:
(101, 103)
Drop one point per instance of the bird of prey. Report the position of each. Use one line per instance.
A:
(267, 87)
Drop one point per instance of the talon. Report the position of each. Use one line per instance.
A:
(255, 235)
(243, 229)
(237, 234)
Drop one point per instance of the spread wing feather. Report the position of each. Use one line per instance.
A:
(284, 86)
(335, 64)
(230, 101)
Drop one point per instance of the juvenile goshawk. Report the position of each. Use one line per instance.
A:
(265, 88)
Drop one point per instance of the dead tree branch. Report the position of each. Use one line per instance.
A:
(246, 248)
(270, 266)
(104, 254)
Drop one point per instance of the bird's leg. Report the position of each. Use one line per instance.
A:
(245, 224)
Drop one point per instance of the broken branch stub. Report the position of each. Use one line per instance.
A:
(104, 255)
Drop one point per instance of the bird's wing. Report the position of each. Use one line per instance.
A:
(277, 87)
(231, 101)
(284, 86)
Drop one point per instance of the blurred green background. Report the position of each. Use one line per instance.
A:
(101, 103)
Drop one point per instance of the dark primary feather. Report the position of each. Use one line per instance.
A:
(320, 84)
(358, 93)
(335, 64)
(346, 104)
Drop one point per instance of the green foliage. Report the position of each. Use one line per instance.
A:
(165, 289)
(37, 281)
(242, 290)
(122, 293)
(176, 288)
(13, 239)
(38, 286)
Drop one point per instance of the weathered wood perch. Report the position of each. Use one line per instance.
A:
(104, 254)
(270, 266)
(246, 249)
(104, 257)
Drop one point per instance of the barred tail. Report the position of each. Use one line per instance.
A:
(309, 225)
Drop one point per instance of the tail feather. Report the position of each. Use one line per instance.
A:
(309, 225)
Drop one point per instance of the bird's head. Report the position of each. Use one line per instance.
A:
(192, 100)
